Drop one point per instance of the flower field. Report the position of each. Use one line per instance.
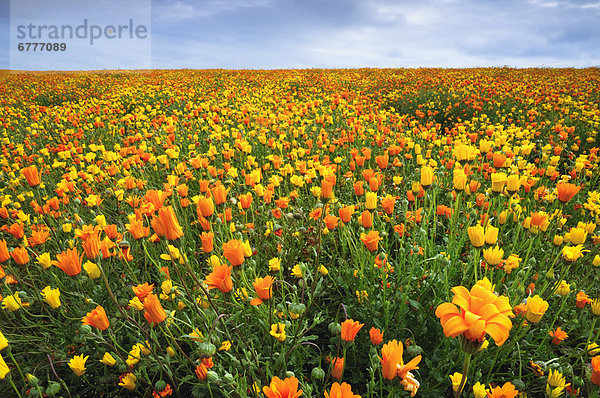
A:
(300, 233)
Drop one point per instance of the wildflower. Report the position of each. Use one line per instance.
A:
(595, 304)
(20, 255)
(556, 384)
(12, 302)
(323, 270)
(3, 341)
(392, 363)
(69, 261)
(134, 355)
(234, 251)
(371, 200)
(96, 318)
(166, 224)
(278, 331)
(4, 370)
(128, 381)
(498, 181)
(508, 390)
(142, 291)
(582, 299)
(207, 241)
(578, 236)
(493, 255)
(51, 296)
(476, 235)
(426, 176)
(563, 288)
(479, 390)
(263, 288)
(593, 349)
(338, 368)
(474, 313)
(456, 380)
(340, 391)
(92, 270)
(376, 336)
(596, 261)
(371, 240)
(513, 183)
(345, 213)
(559, 335)
(220, 278)
(350, 328)
(274, 264)
(366, 219)
(536, 308)
(201, 372)
(513, 261)
(572, 253)
(77, 364)
(205, 207)
(287, 388)
(4, 254)
(32, 175)
(225, 346)
(565, 191)
(491, 235)
(297, 271)
(596, 370)
(108, 359)
(154, 312)
(459, 179)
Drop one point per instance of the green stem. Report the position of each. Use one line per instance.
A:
(465, 370)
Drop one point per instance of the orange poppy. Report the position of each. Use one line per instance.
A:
(32, 175)
(508, 390)
(366, 219)
(234, 251)
(166, 224)
(220, 278)
(565, 191)
(4, 255)
(346, 213)
(287, 388)
(326, 189)
(205, 207)
(338, 368)
(219, 194)
(338, 390)
(20, 255)
(331, 222)
(392, 364)
(69, 261)
(376, 336)
(246, 200)
(371, 240)
(137, 230)
(207, 241)
(263, 288)
(142, 291)
(350, 328)
(96, 318)
(154, 312)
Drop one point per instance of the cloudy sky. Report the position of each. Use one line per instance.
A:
(351, 33)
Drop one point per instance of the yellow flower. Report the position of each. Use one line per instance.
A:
(77, 364)
(479, 390)
(556, 384)
(578, 236)
(595, 304)
(136, 303)
(3, 341)
(92, 270)
(225, 346)
(3, 368)
(323, 271)
(134, 355)
(67, 227)
(278, 331)
(596, 261)
(274, 264)
(491, 235)
(128, 381)
(51, 296)
(563, 288)
(456, 380)
(493, 255)
(536, 308)
(593, 349)
(371, 200)
(297, 271)
(170, 351)
(12, 303)
(558, 240)
(108, 359)
(572, 253)
(44, 260)
(476, 235)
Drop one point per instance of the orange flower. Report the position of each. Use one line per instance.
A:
(207, 241)
(220, 278)
(282, 202)
(39, 235)
(346, 213)
(366, 219)
(326, 189)
(219, 194)
(508, 390)
(166, 224)
(338, 368)
(96, 318)
(340, 391)
(234, 251)
(90, 241)
(371, 240)
(331, 222)
(350, 328)
(278, 388)
(142, 291)
(246, 200)
(4, 255)
(359, 190)
(392, 364)
(69, 262)
(32, 175)
(582, 299)
(388, 203)
(205, 207)
(376, 336)
(596, 370)
(559, 335)
(154, 312)
(20, 255)
(565, 191)
(475, 313)
(263, 288)
(137, 229)
(382, 161)
(201, 372)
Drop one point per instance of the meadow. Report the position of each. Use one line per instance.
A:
(300, 233)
